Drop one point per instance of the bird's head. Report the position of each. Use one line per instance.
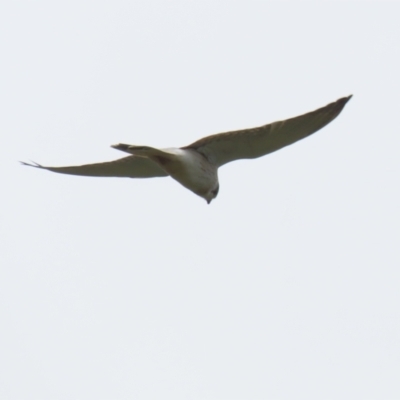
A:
(212, 194)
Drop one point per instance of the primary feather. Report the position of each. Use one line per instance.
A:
(127, 167)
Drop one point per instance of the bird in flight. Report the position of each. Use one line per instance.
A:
(196, 166)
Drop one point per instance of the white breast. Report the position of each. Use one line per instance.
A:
(191, 169)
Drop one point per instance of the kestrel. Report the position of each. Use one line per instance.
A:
(196, 166)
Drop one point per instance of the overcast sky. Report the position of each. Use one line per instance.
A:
(284, 287)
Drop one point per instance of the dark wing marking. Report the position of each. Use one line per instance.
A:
(256, 142)
(127, 167)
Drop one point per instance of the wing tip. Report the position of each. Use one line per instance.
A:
(344, 100)
(337, 106)
(31, 164)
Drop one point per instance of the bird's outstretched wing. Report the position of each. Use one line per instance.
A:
(256, 142)
(127, 167)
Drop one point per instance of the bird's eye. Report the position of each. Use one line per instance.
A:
(215, 191)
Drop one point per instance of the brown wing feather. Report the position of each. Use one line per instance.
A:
(127, 167)
(256, 142)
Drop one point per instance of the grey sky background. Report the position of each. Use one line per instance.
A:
(286, 286)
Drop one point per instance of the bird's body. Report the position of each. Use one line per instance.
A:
(196, 166)
(189, 167)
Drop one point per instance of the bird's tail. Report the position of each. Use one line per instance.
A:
(143, 151)
(147, 151)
